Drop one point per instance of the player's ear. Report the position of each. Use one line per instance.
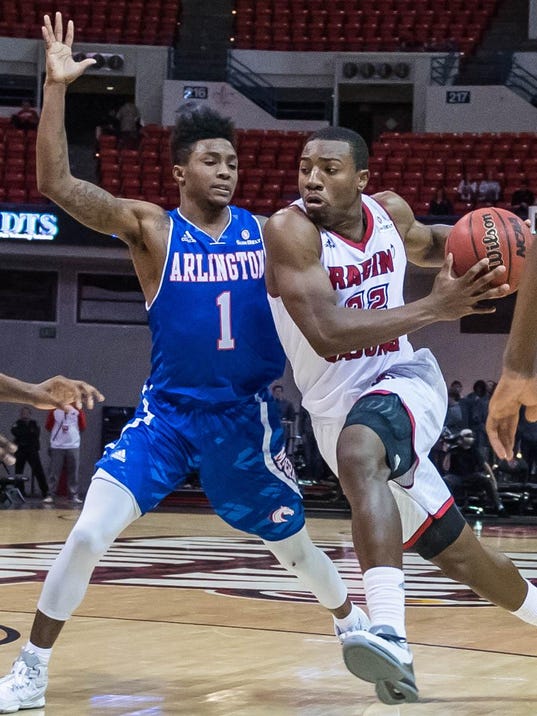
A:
(178, 173)
(362, 177)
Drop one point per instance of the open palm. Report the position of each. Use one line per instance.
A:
(61, 66)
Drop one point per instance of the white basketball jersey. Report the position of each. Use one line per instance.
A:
(369, 275)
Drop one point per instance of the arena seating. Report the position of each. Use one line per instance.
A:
(413, 165)
(360, 26)
(131, 22)
(17, 165)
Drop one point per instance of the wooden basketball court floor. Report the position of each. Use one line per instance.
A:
(186, 616)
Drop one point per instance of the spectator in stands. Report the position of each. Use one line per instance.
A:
(26, 117)
(454, 421)
(316, 467)
(521, 199)
(467, 471)
(65, 427)
(467, 190)
(475, 410)
(26, 433)
(491, 387)
(440, 204)
(457, 386)
(489, 190)
(287, 413)
(109, 125)
(130, 123)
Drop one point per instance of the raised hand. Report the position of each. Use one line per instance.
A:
(61, 66)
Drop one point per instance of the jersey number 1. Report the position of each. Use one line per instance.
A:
(226, 342)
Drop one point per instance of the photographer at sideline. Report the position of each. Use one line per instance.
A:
(467, 471)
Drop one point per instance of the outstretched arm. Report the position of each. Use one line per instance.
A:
(85, 201)
(57, 392)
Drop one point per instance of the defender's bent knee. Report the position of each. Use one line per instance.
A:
(84, 541)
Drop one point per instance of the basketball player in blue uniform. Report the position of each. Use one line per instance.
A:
(377, 405)
(206, 405)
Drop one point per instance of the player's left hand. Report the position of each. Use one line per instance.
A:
(510, 394)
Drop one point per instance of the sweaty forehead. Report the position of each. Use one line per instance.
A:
(327, 149)
(217, 145)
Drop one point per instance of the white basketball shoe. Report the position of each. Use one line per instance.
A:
(384, 658)
(24, 687)
(362, 624)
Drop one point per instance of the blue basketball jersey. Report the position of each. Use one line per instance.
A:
(214, 339)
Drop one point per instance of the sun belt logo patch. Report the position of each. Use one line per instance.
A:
(278, 516)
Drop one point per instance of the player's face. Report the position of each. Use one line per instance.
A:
(329, 183)
(210, 174)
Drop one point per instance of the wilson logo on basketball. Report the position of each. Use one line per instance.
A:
(237, 567)
(491, 241)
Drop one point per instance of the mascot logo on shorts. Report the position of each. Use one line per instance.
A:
(278, 516)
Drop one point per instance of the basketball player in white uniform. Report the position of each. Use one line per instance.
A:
(336, 262)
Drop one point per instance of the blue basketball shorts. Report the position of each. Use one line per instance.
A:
(238, 451)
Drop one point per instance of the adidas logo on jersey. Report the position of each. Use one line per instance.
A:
(330, 243)
(119, 455)
(188, 238)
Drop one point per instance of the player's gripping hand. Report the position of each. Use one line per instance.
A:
(457, 296)
(61, 67)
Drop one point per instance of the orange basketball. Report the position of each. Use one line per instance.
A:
(496, 234)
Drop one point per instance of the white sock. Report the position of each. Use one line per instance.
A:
(352, 619)
(385, 595)
(43, 654)
(528, 611)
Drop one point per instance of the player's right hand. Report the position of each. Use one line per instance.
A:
(61, 67)
(458, 296)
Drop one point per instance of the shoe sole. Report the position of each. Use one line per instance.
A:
(394, 681)
(37, 704)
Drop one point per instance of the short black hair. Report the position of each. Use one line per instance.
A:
(194, 123)
(360, 152)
